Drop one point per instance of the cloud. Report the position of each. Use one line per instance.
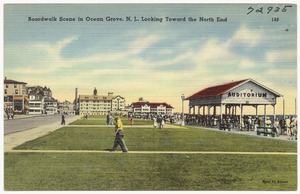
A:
(247, 37)
(37, 57)
(247, 64)
(65, 42)
(180, 58)
(143, 43)
(214, 53)
(281, 56)
(185, 68)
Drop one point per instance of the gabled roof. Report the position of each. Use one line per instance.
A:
(151, 104)
(218, 90)
(49, 99)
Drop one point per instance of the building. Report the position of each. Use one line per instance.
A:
(15, 97)
(142, 107)
(229, 97)
(50, 105)
(66, 107)
(41, 100)
(100, 104)
(36, 104)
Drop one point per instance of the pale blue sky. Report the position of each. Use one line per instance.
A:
(155, 60)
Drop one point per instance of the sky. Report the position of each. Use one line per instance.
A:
(158, 61)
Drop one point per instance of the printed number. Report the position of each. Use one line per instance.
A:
(275, 19)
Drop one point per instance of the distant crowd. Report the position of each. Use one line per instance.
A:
(284, 126)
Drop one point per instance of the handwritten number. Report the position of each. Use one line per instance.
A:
(260, 10)
(251, 9)
(269, 9)
(284, 9)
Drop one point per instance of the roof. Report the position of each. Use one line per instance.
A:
(95, 97)
(218, 90)
(151, 104)
(10, 81)
(49, 99)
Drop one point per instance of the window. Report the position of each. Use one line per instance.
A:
(16, 91)
(15, 85)
(5, 91)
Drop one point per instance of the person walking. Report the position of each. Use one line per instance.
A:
(163, 121)
(293, 129)
(119, 135)
(63, 121)
(159, 121)
(111, 120)
(154, 122)
(276, 127)
(107, 119)
(131, 121)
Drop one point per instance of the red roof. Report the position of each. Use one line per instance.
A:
(215, 90)
(151, 104)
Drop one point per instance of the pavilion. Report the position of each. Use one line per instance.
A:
(231, 96)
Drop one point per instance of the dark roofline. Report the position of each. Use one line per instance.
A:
(10, 81)
(151, 104)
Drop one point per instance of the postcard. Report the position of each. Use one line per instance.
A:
(150, 97)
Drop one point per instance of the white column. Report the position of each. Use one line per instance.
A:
(274, 113)
(256, 112)
(221, 112)
(241, 107)
(265, 112)
(182, 99)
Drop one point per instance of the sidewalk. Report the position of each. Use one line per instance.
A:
(24, 116)
(248, 133)
(18, 138)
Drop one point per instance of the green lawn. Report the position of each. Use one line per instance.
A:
(102, 121)
(113, 171)
(136, 171)
(170, 139)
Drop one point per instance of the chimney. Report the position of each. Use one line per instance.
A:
(95, 91)
(76, 94)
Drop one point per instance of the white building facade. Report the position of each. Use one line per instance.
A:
(146, 108)
(100, 104)
(41, 101)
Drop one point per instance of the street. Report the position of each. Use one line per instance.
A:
(21, 124)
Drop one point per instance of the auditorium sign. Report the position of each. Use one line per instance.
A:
(247, 94)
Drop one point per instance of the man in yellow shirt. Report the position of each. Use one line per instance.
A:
(119, 135)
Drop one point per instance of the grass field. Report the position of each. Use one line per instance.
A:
(102, 121)
(151, 171)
